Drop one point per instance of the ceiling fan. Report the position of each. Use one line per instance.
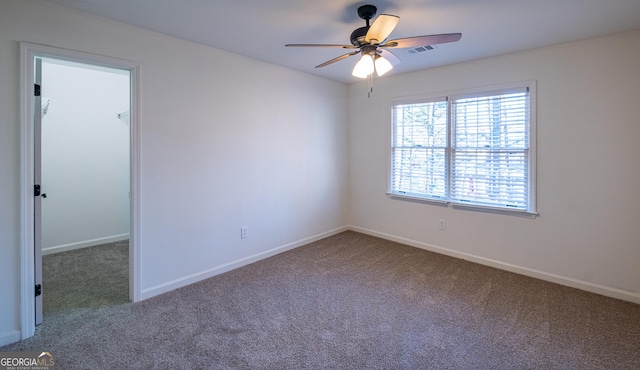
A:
(370, 41)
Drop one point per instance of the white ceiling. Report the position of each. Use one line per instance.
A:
(259, 28)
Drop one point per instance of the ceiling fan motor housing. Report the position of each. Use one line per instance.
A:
(357, 36)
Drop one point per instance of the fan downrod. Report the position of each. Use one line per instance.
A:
(365, 12)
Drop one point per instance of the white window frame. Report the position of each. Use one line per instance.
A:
(530, 210)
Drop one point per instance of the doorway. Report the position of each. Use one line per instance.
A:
(82, 183)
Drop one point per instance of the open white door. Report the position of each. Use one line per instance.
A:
(37, 203)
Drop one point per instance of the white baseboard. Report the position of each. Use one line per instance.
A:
(558, 279)
(184, 281)
(9, 337)
(84, 244)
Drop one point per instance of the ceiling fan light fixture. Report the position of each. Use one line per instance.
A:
(371, 41)
(382, 65)
(364, 67)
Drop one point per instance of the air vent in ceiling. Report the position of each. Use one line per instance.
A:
(420, 49)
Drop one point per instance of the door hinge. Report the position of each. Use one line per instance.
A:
(36, 190)
(38, 290)
(36, 90)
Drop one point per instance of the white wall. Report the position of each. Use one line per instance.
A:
(85, 156)
(587, 234)
(225, 142)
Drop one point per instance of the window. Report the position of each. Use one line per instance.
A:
(471, 149)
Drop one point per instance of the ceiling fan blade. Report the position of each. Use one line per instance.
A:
(381, 28)
(412, 42)
(323, 46)
(391, 57)
(337, 59)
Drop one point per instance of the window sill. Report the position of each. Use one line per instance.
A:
(476, 208)
(418, 199)
(502, 211)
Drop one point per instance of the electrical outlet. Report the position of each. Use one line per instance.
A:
(442, 225)
(244, 232)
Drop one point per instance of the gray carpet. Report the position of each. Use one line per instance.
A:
(86, 278)
(350, 301)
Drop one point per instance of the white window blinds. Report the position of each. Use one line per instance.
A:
(471, 149)
(419, 163)
(490, 149)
